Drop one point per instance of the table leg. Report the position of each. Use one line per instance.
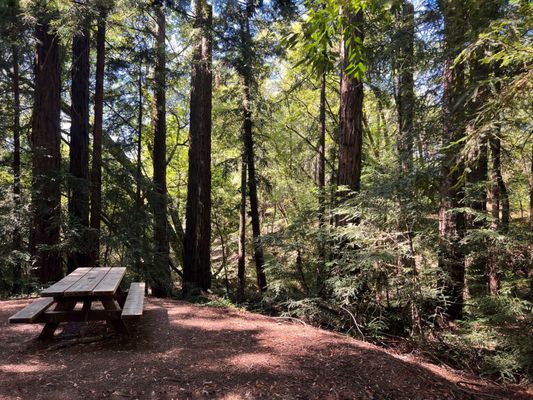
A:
(117, 324)
(120, 297)
(86, 308)
(50, 327)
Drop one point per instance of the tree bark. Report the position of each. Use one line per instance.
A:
(351, 117)
(96, 171)
(531, 193)
(321, 185)
(406, 108)
(406, 87)
(452, 223)
(79, 146)
(241, 267)
(17, 237)
(46, 157)
(197, 241)
(161, 284)
(477, 176)
(252, 187)
(246, 75)
(138, 173)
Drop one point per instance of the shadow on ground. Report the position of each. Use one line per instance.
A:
(183, 351)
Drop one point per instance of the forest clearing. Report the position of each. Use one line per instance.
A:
(349, 182)
(176, 353)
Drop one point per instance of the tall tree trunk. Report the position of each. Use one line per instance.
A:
(197, 241)
(351, 116)
(46, 157)
(96, 171)
(252, 187)
(79, 146)
(496, 171)
(321, 185)
(241, 267)
(17, 237)
(499, 194)
(452, 223)
(477, 175)
(531, 193)
(406, 87)
(161, 284)
(138, 173)
(406, 108)
(140, 232)
(246, 74)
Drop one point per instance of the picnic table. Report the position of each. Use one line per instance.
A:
(84, 286)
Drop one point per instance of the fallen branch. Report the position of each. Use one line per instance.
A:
(472, 392)
(291, 319)
(83, 340)
(354, 321)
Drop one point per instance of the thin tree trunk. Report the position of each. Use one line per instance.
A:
(241, 267)
(499, 194)
(452, 223)
(46, 157)
(405, 108)
(96, 172)
(197, 241)
(138, 174)
(406, 92)
(139, 206)
(530, 193)
(79, 146)
(495, 148)
(161, 284)
(477, 176)
(246, 73)
(351, 118)
(17, 237)
(252, 188)
(321, 185)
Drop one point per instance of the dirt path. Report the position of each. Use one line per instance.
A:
(184, 351)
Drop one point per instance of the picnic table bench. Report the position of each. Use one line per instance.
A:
(85, 286)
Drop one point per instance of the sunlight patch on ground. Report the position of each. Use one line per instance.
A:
(251, 361)
(28, 368)
(207, 324)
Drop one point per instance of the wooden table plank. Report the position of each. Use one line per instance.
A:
(32, 311)
(109, 285)
(58, 288)
(135, 300)
(87, 283)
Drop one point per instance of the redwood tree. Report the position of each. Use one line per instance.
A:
(96, 170)
(451, 221)
(406, 87)
(46, 157)
(197, 240)
(351, 107)
(161, 271)
(79, 143)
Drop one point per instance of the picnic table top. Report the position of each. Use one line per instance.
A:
(97, 281)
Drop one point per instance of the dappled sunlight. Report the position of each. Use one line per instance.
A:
(179, 350)
(30, 367)
(253, 361)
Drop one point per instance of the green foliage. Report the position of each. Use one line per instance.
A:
(375, 275)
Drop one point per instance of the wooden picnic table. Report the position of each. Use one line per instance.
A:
(85, 286)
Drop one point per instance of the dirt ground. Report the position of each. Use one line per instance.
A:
(182, 351)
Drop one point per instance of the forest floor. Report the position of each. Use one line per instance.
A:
(185, 351)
